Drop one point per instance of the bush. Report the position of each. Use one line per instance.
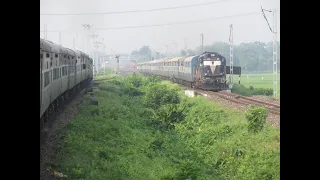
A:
(158, 95)
(131, 89)
(163, 134)
(169, 114)
(256, 117)
(263, 91)
(243, 90)
(135, 80)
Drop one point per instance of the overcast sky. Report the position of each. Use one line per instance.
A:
(246, 28)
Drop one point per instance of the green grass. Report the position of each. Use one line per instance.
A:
(140, 130)
(259, 80)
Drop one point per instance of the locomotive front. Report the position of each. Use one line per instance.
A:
(212, 71)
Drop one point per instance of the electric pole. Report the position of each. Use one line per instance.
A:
(166, 50)
(45, 32)
(86, 32)
(175, 49)
(231, 57)
(93, 36)
(185, 45)
(202, 42)
(275, 53)
(155, 52)
(117, 57)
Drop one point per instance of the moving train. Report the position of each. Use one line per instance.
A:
(63, 71)
(206, 71)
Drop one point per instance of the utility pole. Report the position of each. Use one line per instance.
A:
(105, 60)
(175, 48)
(45, 32)
(93, 54)
(231, 57)
(166, 50)
(275, 53)
(202, 41)
(117, 57)
(113, 54)
(185, 45)
(155, 52)
(87, 27)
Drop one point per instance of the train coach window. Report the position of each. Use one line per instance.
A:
(68, 57)
(65, 56)
(47, 55)
(46, 79)
(56, 55)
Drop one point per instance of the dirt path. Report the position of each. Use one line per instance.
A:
(61, 118)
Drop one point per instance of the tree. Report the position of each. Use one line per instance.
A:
(144, 53)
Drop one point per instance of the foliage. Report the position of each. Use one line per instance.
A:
(158, 95)
(256, 117)
(243, 90)
(161, 134)
(253, 56)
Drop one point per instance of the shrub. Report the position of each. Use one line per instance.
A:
(256, 117)
(157, 95)
(170, 114)
(243, 90)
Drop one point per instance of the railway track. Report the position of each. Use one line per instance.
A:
(236, 98)
(272, 108)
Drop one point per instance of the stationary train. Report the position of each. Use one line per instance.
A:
(63, 71)
(206, 71)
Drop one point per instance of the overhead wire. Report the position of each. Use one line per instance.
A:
(172, 23)
(132, 11)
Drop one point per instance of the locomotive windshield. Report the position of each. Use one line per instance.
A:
(211, 67)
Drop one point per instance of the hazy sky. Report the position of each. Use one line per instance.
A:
(246, 28)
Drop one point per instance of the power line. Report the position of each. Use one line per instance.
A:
(134, 11)
(264, 15)
(174, 23)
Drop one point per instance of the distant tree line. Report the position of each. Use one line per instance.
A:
(252, 57)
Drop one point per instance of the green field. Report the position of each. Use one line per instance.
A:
(259, 80)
